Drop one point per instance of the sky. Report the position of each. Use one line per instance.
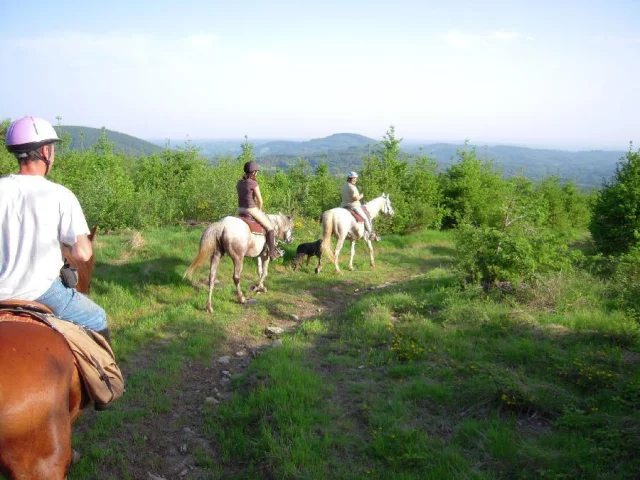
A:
(561, 74)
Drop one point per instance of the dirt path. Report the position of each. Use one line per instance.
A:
(168, 445)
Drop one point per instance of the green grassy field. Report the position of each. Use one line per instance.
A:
(386, 373)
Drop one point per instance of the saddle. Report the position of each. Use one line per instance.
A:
(254, 226)
(94, 358)
(355, 214)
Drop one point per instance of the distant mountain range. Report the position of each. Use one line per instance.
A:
(86, 137)
(345, 151)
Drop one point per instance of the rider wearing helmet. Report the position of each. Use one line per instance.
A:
(351, 199)
(250, 202)
(37, 216)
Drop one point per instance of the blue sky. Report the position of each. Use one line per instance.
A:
(556, 74)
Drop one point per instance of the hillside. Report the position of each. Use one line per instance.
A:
(345, 151)
(86, 137)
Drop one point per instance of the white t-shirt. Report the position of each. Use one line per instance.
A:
(349, 194)
(36, 216)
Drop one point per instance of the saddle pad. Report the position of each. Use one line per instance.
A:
(358, 218)
(254, 226)
(94, 358)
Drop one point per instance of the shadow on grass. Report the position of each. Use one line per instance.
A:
(134, 276)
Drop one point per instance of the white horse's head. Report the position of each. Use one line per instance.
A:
(386, 205)
(285, 227)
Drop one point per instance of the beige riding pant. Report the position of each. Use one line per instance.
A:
(260, 217)
(367, 223)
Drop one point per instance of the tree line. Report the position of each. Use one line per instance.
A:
(508, 229)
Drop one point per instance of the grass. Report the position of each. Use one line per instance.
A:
(391, 373)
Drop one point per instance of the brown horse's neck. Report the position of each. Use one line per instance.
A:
(85, 269)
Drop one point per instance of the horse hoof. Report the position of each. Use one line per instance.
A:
(242, 300)
(351, 269)
(317, 271)
(209, 308)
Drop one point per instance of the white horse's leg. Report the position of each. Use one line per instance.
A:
(215, 260)
(353, 252)
(262, 274)
(339, 245)
(370, 247)
(259, 260)
(237, 271)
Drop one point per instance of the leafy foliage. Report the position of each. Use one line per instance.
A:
(615, 222)
(474, 192)
(413, 188)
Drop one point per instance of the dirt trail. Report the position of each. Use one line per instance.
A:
(166, 445)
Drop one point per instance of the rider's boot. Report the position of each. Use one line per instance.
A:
(274, 252)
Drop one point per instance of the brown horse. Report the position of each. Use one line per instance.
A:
(41, 395)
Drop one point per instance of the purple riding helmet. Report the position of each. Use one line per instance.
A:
(29, 133)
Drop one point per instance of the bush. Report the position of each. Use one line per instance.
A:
(625, 284)
(615, 222)
(488, 255)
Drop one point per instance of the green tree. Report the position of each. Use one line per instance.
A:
(474, 192)
(324, 192)
(8, 163)
(615, 222)
(385, 170)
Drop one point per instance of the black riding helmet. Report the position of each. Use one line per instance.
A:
(251, 167)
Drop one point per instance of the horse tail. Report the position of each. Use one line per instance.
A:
(327, 230)
(209, 243)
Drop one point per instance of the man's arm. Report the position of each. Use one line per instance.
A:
(82, 250)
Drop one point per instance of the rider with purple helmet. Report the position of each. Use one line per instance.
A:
(37, 216)
(351, 199)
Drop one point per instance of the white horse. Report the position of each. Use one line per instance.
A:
(232, 236)
(341, 223)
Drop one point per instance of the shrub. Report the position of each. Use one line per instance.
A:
(615, 222)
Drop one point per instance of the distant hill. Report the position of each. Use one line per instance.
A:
(585, 168)
(345, 151)
(83, 138)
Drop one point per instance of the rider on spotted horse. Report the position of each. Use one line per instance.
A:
(250, 203)
(351, 201)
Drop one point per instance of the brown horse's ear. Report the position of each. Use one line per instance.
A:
(92, 234)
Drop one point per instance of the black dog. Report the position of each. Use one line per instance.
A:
(310, 250)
